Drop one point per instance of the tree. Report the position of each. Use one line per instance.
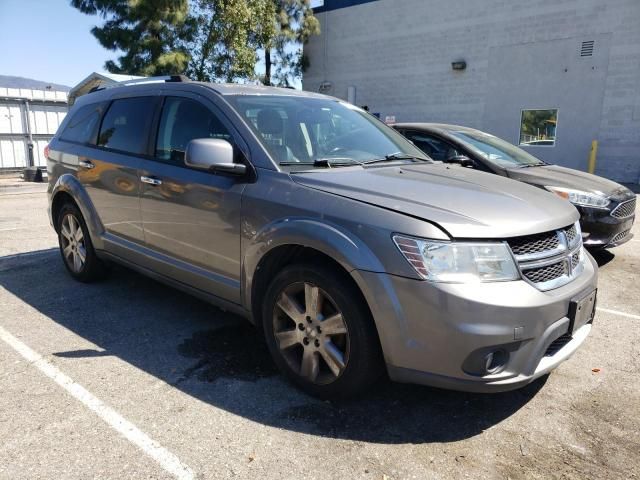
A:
(294, 25)
(151, 33)
(210, 40)
(227, 36)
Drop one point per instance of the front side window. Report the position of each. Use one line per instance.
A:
(126, 125)
(183, 120)
(301, 131)
(83, 126)
(538, 127)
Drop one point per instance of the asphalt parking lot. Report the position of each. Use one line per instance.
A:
(128, 378)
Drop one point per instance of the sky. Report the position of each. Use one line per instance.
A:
(51, 41)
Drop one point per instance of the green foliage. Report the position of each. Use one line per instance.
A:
(295, 24)
(227, 36)
(210, 40)
(151, 33)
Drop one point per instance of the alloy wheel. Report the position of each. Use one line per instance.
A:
(311, 333)
(73, 246)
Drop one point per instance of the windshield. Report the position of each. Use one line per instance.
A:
(497, 151)
(319, 131)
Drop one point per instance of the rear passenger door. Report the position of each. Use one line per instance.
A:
(191, 217)
(109, 170)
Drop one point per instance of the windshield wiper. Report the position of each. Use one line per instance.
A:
(328, 162)
(397, 156)
(541, 164)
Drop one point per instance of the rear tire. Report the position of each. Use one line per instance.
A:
(320, 332)
(76, 249)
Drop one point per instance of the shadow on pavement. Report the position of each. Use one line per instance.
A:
(602, 257)
(220, 359)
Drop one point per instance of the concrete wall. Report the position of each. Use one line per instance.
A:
(520, 54)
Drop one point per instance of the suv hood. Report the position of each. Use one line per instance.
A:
(555, 176)
(464, 202)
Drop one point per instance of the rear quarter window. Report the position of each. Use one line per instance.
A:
(83, 125)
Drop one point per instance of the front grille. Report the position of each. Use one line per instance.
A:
(546, 273)
(551, 259)
(620, 236)
(625, 209)
(534, 243)
(571, 234)
(557, 344)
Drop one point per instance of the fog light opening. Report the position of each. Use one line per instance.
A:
(495, 361)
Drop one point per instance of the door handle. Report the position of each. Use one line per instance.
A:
(151, 180)
(86, 164)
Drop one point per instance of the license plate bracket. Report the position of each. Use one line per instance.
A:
(581, 311)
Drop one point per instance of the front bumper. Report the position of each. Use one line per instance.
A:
(430, 331)
(601, 230)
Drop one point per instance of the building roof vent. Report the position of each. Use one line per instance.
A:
(587, 48)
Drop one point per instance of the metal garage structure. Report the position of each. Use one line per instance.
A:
(29, 118)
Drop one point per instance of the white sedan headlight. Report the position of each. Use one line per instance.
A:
(458, 262)
(578, 197)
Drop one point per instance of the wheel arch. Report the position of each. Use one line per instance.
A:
(68, 189)
(301, 241)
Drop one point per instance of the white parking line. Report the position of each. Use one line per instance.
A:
(166, 459)
(616, 312)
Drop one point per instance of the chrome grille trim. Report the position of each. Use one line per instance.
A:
(554, 266)
(533, 247)
(625, 209)
(545, 245)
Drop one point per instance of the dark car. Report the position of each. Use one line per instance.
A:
(607, 209)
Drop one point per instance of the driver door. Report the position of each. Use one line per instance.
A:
(191, 217)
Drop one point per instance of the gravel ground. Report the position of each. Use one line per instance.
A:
(198, 383)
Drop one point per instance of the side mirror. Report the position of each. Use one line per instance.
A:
(461, 160)
(212, 154)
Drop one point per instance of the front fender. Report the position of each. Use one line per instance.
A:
(332, 240)
(70, 185)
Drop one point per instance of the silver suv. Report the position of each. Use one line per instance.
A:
(353, 251)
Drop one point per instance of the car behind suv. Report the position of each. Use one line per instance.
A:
(607, 209)
(355, 253)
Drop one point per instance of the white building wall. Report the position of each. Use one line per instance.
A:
(519, 54)
(46, 111)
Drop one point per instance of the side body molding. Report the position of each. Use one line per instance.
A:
(330, 239)
(69, 184)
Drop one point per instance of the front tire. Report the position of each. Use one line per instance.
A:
(320, 332)
(76, 248)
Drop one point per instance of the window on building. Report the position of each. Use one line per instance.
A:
(126, 125)
(538, 127)
(184, 120)
(83, 126)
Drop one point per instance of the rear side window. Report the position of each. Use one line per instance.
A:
(126, 125)
(183, 120)
(83, 126)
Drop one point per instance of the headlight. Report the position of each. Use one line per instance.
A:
(457, 262)
(578, 197)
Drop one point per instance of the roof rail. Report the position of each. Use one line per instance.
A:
(142, 81)
(164, 78)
